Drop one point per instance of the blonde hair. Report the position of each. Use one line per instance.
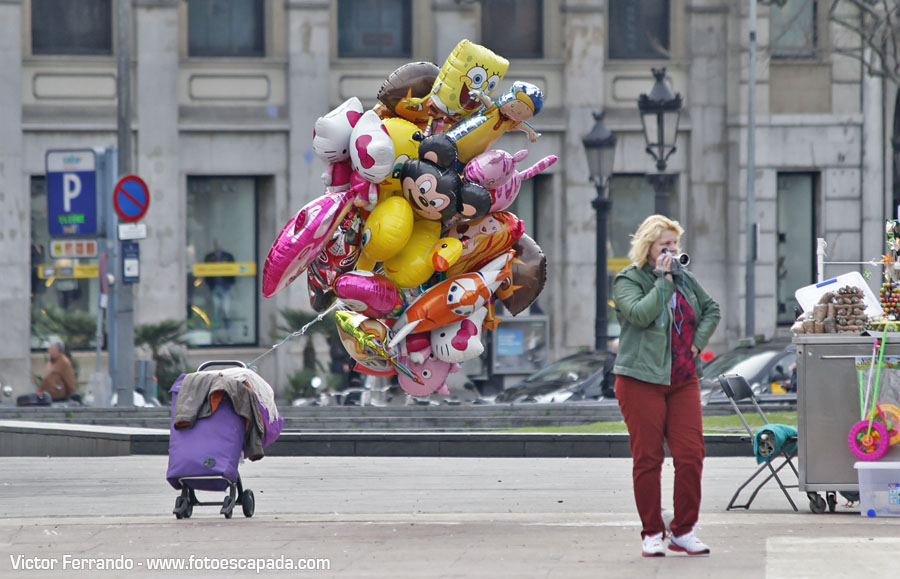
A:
(647, 234)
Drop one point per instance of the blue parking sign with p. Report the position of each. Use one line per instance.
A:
(72, 193)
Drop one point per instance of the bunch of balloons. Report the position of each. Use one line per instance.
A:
(410, 234)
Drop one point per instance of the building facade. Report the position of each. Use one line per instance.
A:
(226, 92)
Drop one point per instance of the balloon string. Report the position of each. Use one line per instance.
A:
(337, 304)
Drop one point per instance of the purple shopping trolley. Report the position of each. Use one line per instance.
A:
(205, 457)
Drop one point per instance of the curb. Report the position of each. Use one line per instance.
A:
(21, 438)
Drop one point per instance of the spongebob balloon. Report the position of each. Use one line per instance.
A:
(470, 68)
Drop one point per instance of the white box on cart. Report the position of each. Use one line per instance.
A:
(879, 488)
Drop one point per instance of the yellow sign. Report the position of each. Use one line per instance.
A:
(615, 264)
(224, 268)
(68, 271)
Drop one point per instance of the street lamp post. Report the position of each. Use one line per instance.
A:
(660, 113)
(600, 148)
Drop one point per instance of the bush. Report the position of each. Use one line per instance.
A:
(167, 349)
(300, 384)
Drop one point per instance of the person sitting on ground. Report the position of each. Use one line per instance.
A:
(59, 375)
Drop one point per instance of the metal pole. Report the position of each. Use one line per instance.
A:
(661, 182)
(602, 204)
(750, 280)
(124, 308)
(820, 259)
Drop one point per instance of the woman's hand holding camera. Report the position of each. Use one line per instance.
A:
(664, 264)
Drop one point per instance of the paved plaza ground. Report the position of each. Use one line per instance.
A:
(413, 517)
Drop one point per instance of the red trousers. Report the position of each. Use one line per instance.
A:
(655, 413)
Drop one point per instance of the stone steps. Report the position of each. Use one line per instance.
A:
(356, 418)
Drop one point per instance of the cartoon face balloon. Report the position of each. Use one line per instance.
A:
(374, 328)
(412, 80)
(470, 67)
(331, 136)
(453, 299)
(478, 132)
(371, 149)
(432, 190)
(433, 373)
(484, 239)
(459, 341)
(337, 258)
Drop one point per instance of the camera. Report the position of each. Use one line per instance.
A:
(679, 260)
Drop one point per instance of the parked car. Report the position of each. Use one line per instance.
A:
(767, 366)
(575, 377)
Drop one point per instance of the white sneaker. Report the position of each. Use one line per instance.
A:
(653, 546)
(667, 517)
(688, 543)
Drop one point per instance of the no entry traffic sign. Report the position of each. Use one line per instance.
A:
(131, 198)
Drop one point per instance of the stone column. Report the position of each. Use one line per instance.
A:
(309, 33)
(162, 292)
(571, 284)
(15, 207)
(707, 198)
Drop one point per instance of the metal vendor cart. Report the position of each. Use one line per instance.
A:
(827, 407)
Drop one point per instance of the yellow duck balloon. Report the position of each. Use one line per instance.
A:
(424, 253)
(386, 232)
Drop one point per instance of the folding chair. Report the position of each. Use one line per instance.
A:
(767, 447)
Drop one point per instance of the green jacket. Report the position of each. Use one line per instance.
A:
(645, 346)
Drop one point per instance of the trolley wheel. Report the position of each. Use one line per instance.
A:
(248, 503)
(831, 498)
(179, 509)
(227, 507)
(188, 509)
(816, 503)
(868, 445)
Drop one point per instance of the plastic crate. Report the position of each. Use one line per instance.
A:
(879, 488)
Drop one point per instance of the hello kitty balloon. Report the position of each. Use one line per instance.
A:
(459, 341)
(331, 142)
(371, 149)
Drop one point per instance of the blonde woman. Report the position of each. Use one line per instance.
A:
(666, 320)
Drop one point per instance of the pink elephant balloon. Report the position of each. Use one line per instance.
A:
(433, 373)
(304, 236)
(371, 294)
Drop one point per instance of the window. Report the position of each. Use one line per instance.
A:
(524, 205)
(221, 252)
(226, 28)
(374, 28)
(66, 27)
(639, 29)
(64, 305)
(633, 201)
(796, 249)
(792, 29)
(513, 28)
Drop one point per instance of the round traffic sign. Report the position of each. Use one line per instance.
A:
(131, 198)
